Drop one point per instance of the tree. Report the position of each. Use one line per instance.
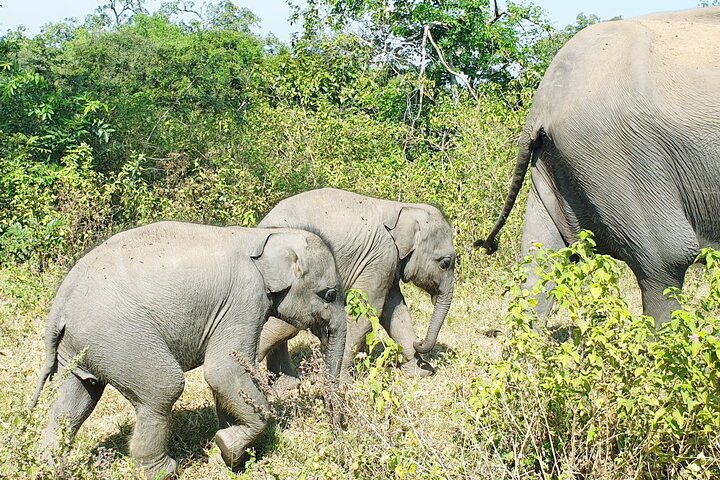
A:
(454, 42)
(116, 13)
(224, 15)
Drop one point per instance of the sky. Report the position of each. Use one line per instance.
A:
(33, 14)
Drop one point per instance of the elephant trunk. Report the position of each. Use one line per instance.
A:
(333, 353)
(335, 349)
(442, 306)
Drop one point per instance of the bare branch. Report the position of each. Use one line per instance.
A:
(421, 76)
(441, 57)
(498, 14)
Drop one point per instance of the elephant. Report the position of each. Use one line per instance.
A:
(623, 139)
(153, 302)
(377, 243)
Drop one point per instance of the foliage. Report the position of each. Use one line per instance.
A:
(36, 115)
(131, 117)
(45, 207)
(169, 89)
(616, 399)
(459, 41)
(25, 298)
(374, 366)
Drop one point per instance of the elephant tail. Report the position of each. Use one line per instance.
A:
(53, 335)
(490, 244)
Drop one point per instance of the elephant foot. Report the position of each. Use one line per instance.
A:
(232, 445)
(286, 383)
(161, 469)
(417, 367)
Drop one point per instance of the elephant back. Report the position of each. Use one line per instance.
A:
(350, 224)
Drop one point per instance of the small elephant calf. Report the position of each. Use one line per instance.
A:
(153, 302)
(377, 244)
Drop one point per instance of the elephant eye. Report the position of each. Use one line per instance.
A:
(445, 263)
(329, 295)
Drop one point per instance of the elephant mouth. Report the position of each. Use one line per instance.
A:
(322, 332)
(434, 290)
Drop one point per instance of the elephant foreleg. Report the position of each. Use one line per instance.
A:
(397, 321)
(242, 409)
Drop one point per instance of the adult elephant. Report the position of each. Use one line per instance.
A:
(153, 302)
(377, 243)
(623, 139)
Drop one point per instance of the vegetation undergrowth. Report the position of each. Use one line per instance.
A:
(615, 399)
(373, 364)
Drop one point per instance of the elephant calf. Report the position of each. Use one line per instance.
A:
(153, 302)
(376, 243)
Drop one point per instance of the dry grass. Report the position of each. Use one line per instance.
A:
(428, 435)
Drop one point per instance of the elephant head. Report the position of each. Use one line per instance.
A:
(423, 238)
(301, 278)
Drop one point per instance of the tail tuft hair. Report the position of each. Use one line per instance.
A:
(490, 247)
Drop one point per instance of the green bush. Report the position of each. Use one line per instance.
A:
(373, 364)
(49, 210)
(109, 127)
(616, 400)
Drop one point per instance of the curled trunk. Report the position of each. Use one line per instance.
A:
(442, 306)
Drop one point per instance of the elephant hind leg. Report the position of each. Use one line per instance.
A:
(655, 303)
(280, 363)
(539, 228)
(75, 402)
(661, 262)
(150, 438)
(653, 284)
(153, 387)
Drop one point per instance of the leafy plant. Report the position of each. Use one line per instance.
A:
(374, 365)
(617, 398)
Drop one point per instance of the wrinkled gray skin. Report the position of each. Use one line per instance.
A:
(376, 243)
(623, 138)
(153, 302)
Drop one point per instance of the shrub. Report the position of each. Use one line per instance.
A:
(374, 364)
(47, 209)
(616, 400)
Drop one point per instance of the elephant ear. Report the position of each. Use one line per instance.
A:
(278, 260)
(405, 229)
